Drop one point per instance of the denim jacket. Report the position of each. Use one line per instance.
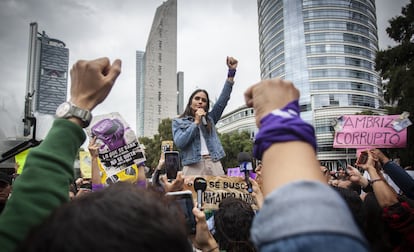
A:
(186, 133)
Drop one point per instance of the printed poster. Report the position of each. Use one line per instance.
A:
(119, 150)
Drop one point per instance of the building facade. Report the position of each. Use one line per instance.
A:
(46, 89)
(51, 88)
(327, 49)
(140, 76)
(180, 92)
(157, 76)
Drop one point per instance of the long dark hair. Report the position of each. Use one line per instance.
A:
(233, 221)
(189, 111)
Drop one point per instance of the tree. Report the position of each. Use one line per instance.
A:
(396, 64)
(153, 145)
(233, 143)
(152, 151)
(165, 130)
(366, 112)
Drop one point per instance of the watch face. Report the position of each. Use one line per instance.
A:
(63, 109)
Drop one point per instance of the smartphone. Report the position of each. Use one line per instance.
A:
(86, 186)
(172, 164)
(182, 204)
(363, 158)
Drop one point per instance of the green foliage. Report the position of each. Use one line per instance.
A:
(367, 112)
(396, 65)
(233, 143)
(165, 130)
(153, 145)
(152, 150)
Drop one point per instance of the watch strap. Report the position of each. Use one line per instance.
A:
(84, 115)
(69, 110)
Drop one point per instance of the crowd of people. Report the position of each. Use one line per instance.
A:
(302, 205)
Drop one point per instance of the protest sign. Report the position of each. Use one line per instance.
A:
(167, 145)
(235, 172)
(119, 150)
(130, 174)
(366, 131)
(85, 164)
(20, 159)
(220, 187)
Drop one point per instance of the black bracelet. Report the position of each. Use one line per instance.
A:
(371, 182)
(231, 73)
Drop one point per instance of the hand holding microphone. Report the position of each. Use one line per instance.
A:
(202, 115)
(203, 120)
(200, 185)
(245, 163)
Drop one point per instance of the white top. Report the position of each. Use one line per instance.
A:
(204, 149)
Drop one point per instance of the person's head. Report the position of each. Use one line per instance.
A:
(198, 99)
(376, 230)
(354, 203)
(119, 218)
(232, 223)
(5, 187)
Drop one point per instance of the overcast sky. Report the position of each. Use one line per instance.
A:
(208, 31)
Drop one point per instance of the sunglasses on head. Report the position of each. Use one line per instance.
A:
(197, 98)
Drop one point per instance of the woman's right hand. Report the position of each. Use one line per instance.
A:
(93, 147)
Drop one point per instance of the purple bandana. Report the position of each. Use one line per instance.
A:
(283, 125)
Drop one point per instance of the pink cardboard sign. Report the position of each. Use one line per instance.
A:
(235, 172)
(366, 131)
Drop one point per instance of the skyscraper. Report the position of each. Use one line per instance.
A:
(157, 76)
(47, 73)
(327, 49)
(51, 86)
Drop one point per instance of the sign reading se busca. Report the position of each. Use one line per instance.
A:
(366, 131)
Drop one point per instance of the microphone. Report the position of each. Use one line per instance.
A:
(203, 120)
(200, 185)
(245, 163)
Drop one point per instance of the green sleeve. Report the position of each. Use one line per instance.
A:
(43, 184)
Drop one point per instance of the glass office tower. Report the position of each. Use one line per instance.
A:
(327, 49)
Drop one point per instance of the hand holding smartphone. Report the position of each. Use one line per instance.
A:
(172, 164)
(363, 158)
(181, 202)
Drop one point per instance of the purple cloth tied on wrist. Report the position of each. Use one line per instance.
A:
(283, 125)
(97, 187)
(231, 73)
(141, 183)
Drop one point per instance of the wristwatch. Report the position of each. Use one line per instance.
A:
(67, 110)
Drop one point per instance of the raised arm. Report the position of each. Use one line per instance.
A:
(281, 164)
(400, 176)
(297, 195)
(44, 182)
(384, 193)
(93, 148)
